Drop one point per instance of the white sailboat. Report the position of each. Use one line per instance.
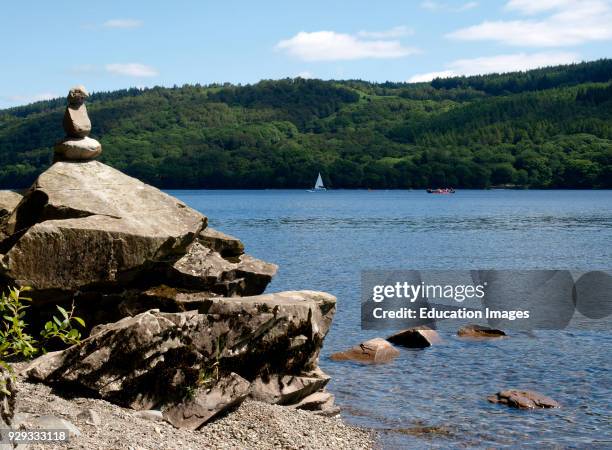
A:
(319, 186)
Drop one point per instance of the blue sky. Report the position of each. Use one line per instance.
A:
(46, 47)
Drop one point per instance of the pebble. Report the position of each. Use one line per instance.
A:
(253, 425)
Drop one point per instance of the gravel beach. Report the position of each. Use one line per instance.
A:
(254, 425)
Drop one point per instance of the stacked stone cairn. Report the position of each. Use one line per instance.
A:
(77, 146)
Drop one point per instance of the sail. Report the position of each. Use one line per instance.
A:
(319, 183)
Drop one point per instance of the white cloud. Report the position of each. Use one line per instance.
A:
(122, 23)
(332, 46)
(499, 64)
(535, 7)
(305, 75)
(25, 99)
(434, 5)
(132, 70)
(419, 78)
(394, 32)
(569, 22)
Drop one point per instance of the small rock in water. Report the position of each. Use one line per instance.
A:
(479, 332)
(523, 399)
(420, 337)
(374, 351)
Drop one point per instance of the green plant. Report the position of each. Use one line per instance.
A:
(63, 328)
(14, 340)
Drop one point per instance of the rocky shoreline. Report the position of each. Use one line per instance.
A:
(253, 425)
(176, 325)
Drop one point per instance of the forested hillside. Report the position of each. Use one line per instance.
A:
(545, 128)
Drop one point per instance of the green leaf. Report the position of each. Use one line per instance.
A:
(79, 321)
(63, 311)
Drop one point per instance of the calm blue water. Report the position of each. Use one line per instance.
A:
(322, 241)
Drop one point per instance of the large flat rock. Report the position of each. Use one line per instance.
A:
(79, 189)
(86, 223)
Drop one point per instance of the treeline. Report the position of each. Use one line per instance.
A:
(548, 128)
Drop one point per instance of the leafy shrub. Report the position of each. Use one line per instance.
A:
(15, 341)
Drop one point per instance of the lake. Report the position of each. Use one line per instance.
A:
(322, 241)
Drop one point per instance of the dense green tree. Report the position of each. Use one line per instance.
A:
(545, 128)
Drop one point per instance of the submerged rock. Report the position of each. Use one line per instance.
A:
(150, 359)
(523, 399)
(479, 332)
(207, 403)
(420, 337)
(374, 351)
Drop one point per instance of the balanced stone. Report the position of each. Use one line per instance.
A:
(77, 149)
(77, 146)
(76, 121)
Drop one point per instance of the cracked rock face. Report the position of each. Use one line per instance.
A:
(150, 359)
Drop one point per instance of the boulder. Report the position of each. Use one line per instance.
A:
(150, 359)
(523, 399)
(8, 202)
(77, 149)
(224, 244)
(87, 223)
(206, 403)
(479, 332)
(203, 269)
(287, 389)
(374, 351)
(420, 337)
